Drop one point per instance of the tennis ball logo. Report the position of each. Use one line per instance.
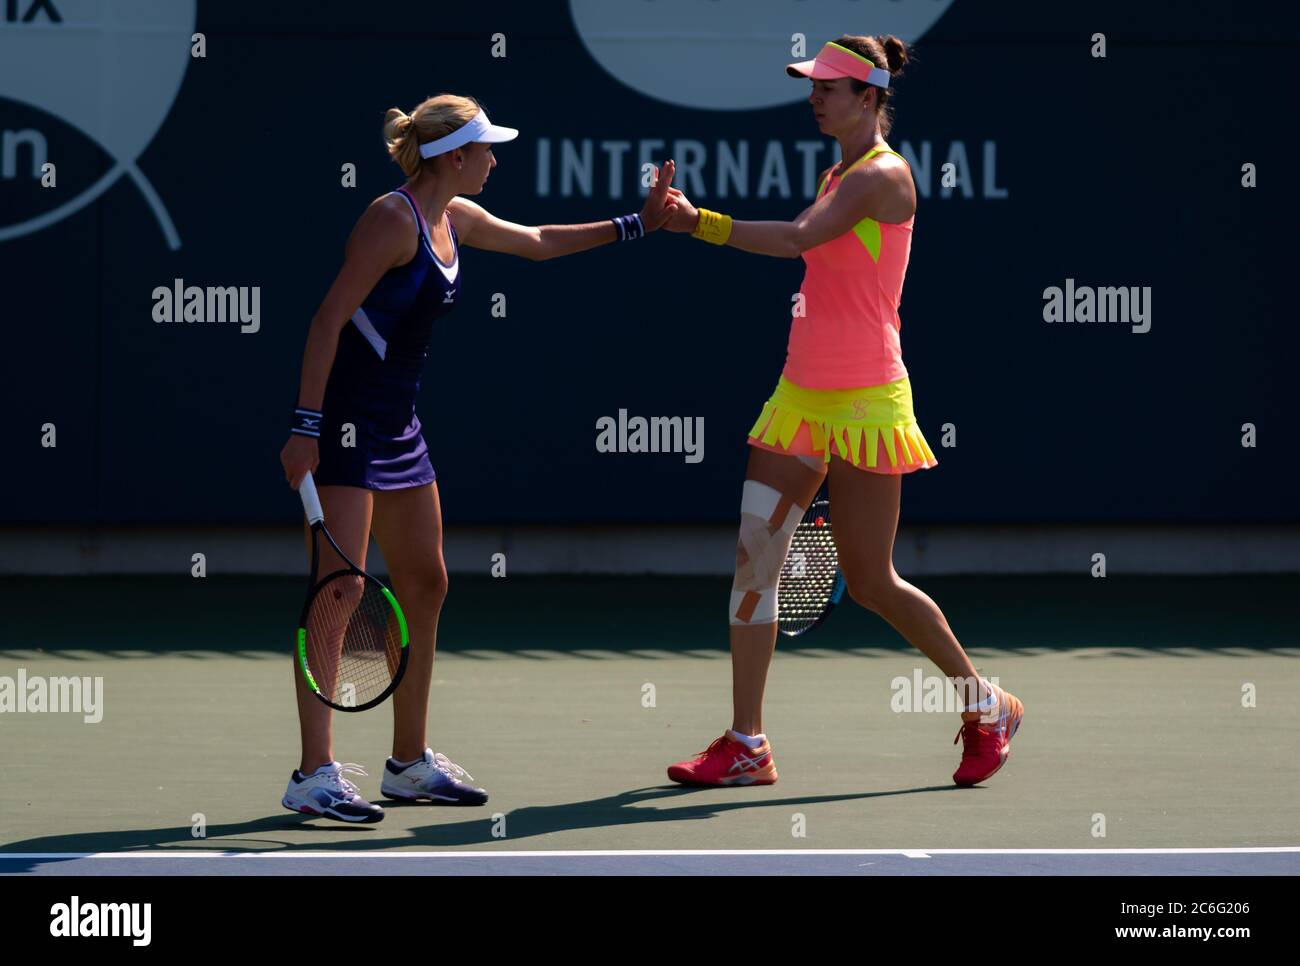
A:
(109, 68)
(729, 55)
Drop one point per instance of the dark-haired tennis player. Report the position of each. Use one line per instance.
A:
(355, 427)
(842, 406)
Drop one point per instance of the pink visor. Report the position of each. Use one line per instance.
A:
(836, 61)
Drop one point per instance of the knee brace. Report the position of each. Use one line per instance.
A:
(768, 519)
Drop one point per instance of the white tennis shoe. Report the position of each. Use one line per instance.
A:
(325, 792)
(435, 777)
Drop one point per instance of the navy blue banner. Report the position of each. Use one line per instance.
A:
(1098, 320)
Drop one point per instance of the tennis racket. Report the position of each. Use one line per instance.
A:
(352, 635)
(811, 583)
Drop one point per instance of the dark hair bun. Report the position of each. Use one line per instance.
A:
(895, 52)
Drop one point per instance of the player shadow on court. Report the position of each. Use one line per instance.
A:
(476, 826)
(178, 839)
(625, 808)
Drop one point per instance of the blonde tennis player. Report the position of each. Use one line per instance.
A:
(355, 427)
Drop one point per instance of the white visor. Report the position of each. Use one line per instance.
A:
(478, 129)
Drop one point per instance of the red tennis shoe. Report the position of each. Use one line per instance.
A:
(727, 762)
(986, 745)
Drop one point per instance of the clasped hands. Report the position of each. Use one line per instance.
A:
(665, 206)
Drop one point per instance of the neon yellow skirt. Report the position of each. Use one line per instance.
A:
(860, 423)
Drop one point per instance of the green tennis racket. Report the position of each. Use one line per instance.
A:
(352, 636)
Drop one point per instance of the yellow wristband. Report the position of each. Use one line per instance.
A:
(713, 227)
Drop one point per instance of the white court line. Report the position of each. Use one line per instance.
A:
(622, 853)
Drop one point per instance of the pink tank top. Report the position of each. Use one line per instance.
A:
(849, 333)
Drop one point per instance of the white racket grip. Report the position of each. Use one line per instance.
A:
(310, 499)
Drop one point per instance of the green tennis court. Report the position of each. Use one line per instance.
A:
(567, 698)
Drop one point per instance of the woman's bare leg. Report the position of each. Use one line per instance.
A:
(752, 645)
(865, 507)
(408, 528)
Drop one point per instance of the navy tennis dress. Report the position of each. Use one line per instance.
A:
(376, 373)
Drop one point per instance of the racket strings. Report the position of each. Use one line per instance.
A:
(354, 640)
(809, 572)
